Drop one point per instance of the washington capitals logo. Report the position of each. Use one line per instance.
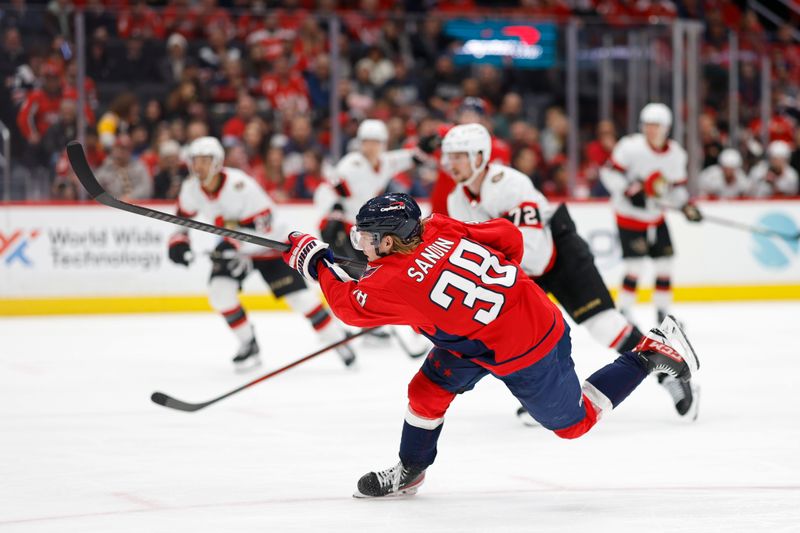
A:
(13, 247)
(369, 271)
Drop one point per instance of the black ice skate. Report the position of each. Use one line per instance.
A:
(247, 357)
(666, 349)
(395, 481)
(685, 395)
(347, 354)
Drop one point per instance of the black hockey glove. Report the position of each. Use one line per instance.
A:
(430, 143)
(635, 193)
(227, 261)
(692, 213)
(180, 253)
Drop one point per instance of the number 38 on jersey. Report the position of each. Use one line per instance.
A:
(481, 292)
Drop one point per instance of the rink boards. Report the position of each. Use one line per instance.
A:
(89, 258)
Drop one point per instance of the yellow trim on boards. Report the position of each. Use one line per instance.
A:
(266, 302)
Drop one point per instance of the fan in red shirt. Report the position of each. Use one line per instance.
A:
(471, 110)
(461, 286)
(285, 90)
(41, 108)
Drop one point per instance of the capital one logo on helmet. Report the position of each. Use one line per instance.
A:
(397, 206)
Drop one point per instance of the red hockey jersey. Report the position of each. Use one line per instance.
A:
(463, 289)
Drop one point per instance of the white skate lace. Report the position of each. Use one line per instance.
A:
(674, 388)
(391, 477)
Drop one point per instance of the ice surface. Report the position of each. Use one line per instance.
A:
(82, 448)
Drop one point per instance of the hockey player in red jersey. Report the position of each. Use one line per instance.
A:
(231, 198)
(461, 286)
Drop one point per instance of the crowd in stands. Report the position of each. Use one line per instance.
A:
(259, 76)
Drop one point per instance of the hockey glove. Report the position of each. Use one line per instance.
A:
(635, 193)
(305, 252)
(180, 252)
(430, 143)
(692, 213)
(227, 261)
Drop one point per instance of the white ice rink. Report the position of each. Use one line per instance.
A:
(83, 449)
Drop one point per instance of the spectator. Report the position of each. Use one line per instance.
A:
(59, 18)
(401, 90)
(510, 111)
(318, 82)
(725, 179)
(598, 152)
(97, 15)
(554, 135)
(526, 160)
(100, 62)
(140, 21)
(442, 86)
(380, 69)
(254, 141)
(710, 139)
(774, 177)
(171, 172)
(62, 131)
(301, 139)
(122, 176)
(41, 107)
(286, 90)
(217, 52)
(272, 178)
(170, 68)
(303, 184)
(137, 65)
(12, 54)
(233, 129)
(121, 117)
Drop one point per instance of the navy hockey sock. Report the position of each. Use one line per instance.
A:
(418, 446)
(618, 379)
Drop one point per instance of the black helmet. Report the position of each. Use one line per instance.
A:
(393, 213)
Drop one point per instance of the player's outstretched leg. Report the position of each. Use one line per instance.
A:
(395, 481)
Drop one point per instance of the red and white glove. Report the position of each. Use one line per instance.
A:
(305, 252)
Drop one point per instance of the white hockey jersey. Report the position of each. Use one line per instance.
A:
(508, 193)
(713, 184)
(633, 159)
(355, 180)
(786, 184)
(240, 204)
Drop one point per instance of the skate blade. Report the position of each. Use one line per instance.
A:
(694, 410)
(247, 365)
(526, 418)
(674, 332)
(400, 494)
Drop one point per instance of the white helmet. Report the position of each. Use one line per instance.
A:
(779, 150)
(207, 146)
(472, 139)
(730, 158)
(656, 114)
(372, 130)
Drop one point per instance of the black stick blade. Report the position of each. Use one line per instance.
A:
(168, 401)
(77, 158)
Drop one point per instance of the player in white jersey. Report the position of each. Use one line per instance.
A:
(646, 172)
(774, 177)
(359, 176)
(726, 179)
(555, 256)
(230, 198)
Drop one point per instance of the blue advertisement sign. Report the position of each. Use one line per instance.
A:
(504, 42)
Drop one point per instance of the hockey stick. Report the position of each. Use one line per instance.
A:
(173, 403)
(77, 158)
(740, 225)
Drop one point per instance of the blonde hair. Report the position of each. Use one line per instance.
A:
(400, 246)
